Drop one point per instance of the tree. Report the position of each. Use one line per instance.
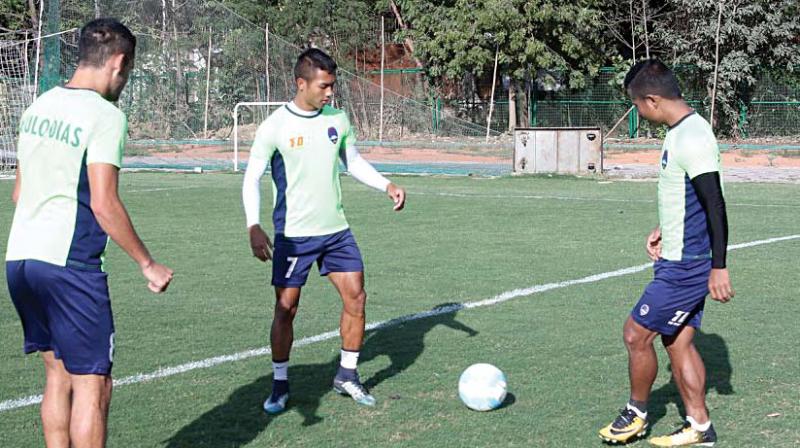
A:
(755, 37)
(340, 27)
(18, 15)
(629, 22)
(462, 36)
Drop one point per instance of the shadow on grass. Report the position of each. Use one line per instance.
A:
(241, 419)
(714, 352)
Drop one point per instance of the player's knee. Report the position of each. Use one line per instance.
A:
(356, 304)
(634, 340)
(285, 313)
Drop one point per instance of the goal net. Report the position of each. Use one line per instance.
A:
(247, 116)
(16, 93)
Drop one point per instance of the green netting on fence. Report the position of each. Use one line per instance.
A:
(197, 59)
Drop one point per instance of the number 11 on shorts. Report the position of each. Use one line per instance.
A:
(293, 262)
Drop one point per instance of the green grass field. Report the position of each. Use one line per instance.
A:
(460, 240)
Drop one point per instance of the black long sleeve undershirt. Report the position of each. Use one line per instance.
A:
(709, 191)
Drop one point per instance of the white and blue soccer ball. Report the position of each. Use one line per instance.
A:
(482, 387)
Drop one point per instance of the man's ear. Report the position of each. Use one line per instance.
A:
(117, 62)
(301, 84)
(654, 101)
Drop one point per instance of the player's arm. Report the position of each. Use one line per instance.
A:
(251, 198)
(709, 192)
(115, 221)
(17, 185)
(365, 173)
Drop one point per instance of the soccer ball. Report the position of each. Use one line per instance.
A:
(482, 387)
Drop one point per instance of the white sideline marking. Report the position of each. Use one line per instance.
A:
(575, 198)
(143, 190)
(8, 405)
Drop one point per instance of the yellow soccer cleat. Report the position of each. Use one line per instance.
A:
(687, 436)
(626, 427)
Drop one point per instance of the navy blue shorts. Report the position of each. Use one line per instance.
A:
(675, 297)
(66, 310)
(292, 257)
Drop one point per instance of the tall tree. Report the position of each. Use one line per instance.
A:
(462, 36)
(18, 15)
(755, 37)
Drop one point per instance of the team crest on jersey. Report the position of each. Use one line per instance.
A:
(644, 310)
(333, 135)
(664, 159)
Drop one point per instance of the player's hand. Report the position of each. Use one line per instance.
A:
(158, 276)
(653, 245)
(719, 283)
(260, 243)
(398, 195)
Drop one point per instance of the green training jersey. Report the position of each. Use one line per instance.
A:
(303, 150)
(690, 149)
(60, 134)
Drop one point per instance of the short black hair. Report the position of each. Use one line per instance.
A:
(311, 60)
(102, 38)
(652, 77)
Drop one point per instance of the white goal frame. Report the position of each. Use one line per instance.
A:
(236, 125)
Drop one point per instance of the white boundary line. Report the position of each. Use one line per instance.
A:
(507, 196)
(147, 190)
(9, 405)
(575, 198)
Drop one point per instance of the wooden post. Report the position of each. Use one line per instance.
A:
(38, 54)
(491, 100)
(716, 70)
(616, 125)
(266, 63)
(644, 25)
(383, 59)
(208, 83)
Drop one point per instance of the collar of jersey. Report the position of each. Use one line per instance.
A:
(81, 89)
(291, 107)
(682, 119)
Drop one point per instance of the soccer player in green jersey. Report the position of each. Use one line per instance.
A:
(303, 143)
(69, 154)
(689, 249)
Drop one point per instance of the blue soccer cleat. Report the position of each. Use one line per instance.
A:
(276, 403)
(353, 388)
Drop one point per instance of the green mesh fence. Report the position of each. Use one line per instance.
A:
(775, 107)
(197, 59)
(166, 97)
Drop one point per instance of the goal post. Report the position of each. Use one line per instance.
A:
(269, 105)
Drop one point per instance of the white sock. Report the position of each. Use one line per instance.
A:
(280, 370)
(697, 426)
(349, 359)
(642, 415)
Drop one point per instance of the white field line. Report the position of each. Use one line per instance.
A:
(8, 405)
(575, 198)
(507, 196)
(144, 190)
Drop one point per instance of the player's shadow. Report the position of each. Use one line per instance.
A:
(241, 419)
(714, 352)
(404, 340)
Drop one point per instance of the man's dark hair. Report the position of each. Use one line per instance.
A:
(103, 38)
(652, 77)
(311, 60)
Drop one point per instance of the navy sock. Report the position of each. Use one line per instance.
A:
(280, 387)
(346, 374)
